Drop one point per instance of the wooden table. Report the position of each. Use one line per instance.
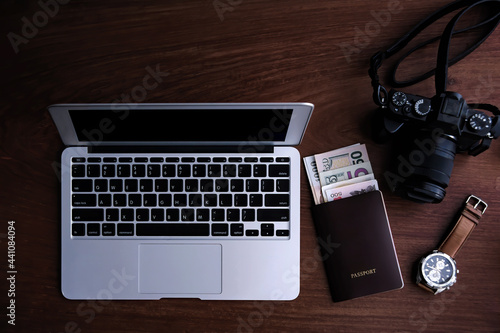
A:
(235, 51)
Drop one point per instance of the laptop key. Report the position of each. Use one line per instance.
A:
(279, 170)
(142, 214)
(125, 229)
(135, 200)
(176, 185)
(273, 215)
(218, 215)
(195, 200)
(78, 170)
(236, 229)
(93, 229)
(146, 185)
(282, 233)
(168, 170)
(139, 170)
(203, 214)
(237, 185)
(93, 170)
(229, 170)
(267, 185)
(154, 170)
(220, 229)
(82, 185)
(187, 215)
(172, 229)
(131, 185)
(84, 200)
(248, 215)
(101, 185)
(282, 185)
(210, 200)
(104, 200)
(255, 200)
(149, 200)
(199, 170)
(233, 215)
(214, 170)
(222, 185)
(267, 229)
(252, 185)
(108, 229)
(116, 185)
(161, 185)
(172, 214)
(252, 233)
(259, 170)
(184, 170)
(108, 170)
(78, 229)
(191, 185)
(112, 214)
(87, 214)
(157, 215)
(206, 185)
(240, 200)
(127, 214)
(123, 170)
(119, 200)
(244, 170)
(277, 200)
(165, 200)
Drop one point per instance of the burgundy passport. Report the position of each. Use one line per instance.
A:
(357, 246)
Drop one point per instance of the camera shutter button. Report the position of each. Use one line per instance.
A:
(422, 107)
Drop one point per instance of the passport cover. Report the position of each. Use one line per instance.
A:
(357, 246)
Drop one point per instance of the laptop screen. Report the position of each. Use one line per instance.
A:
(174, 125)
(182, 124)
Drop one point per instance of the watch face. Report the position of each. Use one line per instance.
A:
(439, 270)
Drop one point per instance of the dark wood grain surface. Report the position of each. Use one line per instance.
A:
(235, 51)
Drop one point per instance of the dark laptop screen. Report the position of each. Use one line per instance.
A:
(124, 124)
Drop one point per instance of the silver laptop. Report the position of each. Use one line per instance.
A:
(181, 200)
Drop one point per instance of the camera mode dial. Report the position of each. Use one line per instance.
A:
(399, 98)
(422, 107)
(479, 121)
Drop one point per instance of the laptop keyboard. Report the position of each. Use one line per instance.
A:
(224, 197)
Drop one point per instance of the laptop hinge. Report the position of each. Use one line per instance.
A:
(182, 149)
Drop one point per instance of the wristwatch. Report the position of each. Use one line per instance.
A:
(437, 271)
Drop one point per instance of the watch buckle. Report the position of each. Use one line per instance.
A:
(479, 202)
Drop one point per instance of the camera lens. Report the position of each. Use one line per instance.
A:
(424, 171)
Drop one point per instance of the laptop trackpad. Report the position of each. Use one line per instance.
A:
(180, 269)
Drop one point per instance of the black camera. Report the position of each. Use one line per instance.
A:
(432, 131)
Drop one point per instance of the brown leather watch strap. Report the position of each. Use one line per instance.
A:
(469, 218)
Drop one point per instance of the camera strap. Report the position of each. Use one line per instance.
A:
(443, 62)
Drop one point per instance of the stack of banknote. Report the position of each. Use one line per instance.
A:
(340, 173)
